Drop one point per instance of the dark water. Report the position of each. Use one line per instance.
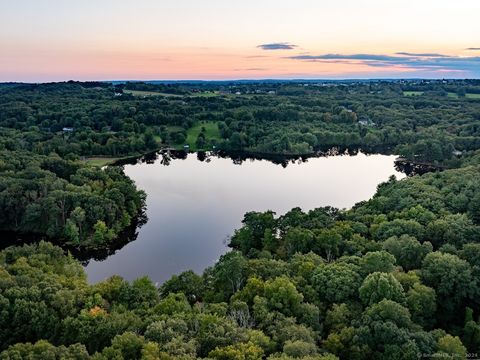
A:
(193, 205)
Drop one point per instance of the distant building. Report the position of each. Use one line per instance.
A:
(67, 129)
(366, 122)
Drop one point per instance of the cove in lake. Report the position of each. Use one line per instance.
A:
(196, 201)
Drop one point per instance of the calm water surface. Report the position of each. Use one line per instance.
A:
(193, 206)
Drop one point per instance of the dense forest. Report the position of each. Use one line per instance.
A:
(395, 277)
(66, 200)
(427, 121)
(392, 278)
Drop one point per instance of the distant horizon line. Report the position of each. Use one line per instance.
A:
(239, 80)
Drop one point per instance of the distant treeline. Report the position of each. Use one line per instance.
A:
(283, 118)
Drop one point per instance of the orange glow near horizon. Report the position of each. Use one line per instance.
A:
(213, 39)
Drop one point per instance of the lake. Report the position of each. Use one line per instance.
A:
(195, 202)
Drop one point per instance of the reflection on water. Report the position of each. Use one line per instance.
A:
(197, 201)
(167, 155)
(10, 238)
(410, 168)
(126, 236)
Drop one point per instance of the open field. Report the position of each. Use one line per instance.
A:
(140, 93)
(451, 95)
(101, 161)
(207, 94)
(412, 93)
(467, 96)
(472, 96)
(211, 132)
(149, 93)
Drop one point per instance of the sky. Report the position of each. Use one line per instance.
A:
(56, 40)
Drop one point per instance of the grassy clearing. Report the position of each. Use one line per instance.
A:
(140, 93)
(149, 93)
(451, 95)
(207, 94)
(412, 93)
(467, 96)
(472, 96)
(211, 133)
(101, 161)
